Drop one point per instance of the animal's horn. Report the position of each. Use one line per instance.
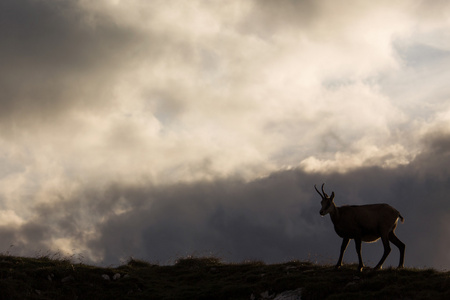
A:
(318, 191)
(325, 194)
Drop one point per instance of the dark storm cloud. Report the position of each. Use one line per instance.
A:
(274, 218)
(231, 218)
(55, 57)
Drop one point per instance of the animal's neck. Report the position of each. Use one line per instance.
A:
(334, 213)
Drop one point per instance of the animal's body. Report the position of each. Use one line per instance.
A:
(367, 222)
(364, 223)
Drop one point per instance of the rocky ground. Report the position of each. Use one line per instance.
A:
(210, 278)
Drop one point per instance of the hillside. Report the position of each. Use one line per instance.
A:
(209, 278)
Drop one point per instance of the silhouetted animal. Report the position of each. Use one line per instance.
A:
(363, 223)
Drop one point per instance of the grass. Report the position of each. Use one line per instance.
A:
(209, 278)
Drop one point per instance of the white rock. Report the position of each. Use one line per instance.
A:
(290, 295)
(116, 276)
(106, 277)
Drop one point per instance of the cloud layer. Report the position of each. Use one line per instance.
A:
(162, 128)
(274, 219)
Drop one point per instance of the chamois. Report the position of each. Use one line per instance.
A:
(363, 223)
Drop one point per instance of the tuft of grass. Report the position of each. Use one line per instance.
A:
(49, 277)
(137, 263)
(198, 262)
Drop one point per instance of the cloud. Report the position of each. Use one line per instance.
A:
(54, 61)
(274, 218)
(110, 106)
(128, 82)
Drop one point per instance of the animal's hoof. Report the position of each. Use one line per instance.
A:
(337, 267)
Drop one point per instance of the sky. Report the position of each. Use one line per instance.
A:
(162, 129)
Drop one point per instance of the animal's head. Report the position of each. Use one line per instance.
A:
(327, 201)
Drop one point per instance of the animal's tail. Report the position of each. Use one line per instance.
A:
(401, 218)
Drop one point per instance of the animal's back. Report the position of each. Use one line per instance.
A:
(366, 221)
(382, 209)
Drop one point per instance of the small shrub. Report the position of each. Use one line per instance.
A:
(192, 261)
(137, 263)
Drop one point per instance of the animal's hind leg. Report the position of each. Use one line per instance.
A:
(358, 251)
(401, 247)
(387, 250)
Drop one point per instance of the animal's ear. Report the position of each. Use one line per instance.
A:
(332, 196)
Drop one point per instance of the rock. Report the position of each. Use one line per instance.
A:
(106, 277)
(116, 276)
(266, 295)
(351, 283)
(290, 295)
(67, 279)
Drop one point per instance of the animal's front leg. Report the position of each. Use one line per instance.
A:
(344, 245)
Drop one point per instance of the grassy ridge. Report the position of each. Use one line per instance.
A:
(209, 278)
